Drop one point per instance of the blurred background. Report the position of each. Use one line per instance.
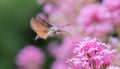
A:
(15, 31)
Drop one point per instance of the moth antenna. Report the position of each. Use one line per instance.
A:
(68, 35)
(64, 26)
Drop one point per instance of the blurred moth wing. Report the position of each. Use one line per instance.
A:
(43, 28)
(40, 27)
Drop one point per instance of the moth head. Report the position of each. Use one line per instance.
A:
(54, 29)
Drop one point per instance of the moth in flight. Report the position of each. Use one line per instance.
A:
(43, 28)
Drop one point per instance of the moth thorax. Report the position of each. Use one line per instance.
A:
(52, 31)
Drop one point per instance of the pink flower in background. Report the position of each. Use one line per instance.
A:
(91, 54)
(114, 8)
(63, 51)
(111, 5)
(95, 20)
(116, 61)
(49, 8)
(113, 67)
(116, 17)
(30, 57)
(59, 64)
(114, 41)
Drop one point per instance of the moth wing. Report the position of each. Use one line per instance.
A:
(39, 28)
(43, 21)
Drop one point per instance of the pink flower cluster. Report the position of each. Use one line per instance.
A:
(111, 5)
(114, 8)
(100, 19)
(91, 54)
(95, 20)
(30, 57)
(61, 53)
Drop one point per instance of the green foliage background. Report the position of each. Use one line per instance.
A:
(15, 31)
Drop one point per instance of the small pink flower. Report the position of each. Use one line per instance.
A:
(95, 20)
(30, 57)
(112, 5)
(114, 8)
(116, 60)
(103, 28)
(91, 54)
(48, 8)
(114, 41)
(61, 51)
(113, 67)
(116, 17)
(59, 64)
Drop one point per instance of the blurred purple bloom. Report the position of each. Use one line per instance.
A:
(30, 57)
(113, 67)
(116, 17)
(111, 5)
(61, 51)
(114, 8)
(95, 20)
(59, 64)
(114, 41)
